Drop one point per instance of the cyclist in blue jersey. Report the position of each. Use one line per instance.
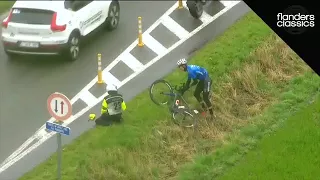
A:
(201, 78)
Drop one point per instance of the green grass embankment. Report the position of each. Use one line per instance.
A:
(297, 95)
(290, 153)
(251, 68)
(5, 6)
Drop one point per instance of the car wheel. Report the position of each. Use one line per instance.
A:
(73, 50)
(113, 18)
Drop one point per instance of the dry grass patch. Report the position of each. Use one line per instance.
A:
(243, 94)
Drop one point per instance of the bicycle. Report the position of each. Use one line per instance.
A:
(172, 99)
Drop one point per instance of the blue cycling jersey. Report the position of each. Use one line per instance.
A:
(197, 72)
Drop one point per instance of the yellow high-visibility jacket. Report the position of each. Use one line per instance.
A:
(113, 104)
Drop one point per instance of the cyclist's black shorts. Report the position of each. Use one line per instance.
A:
(207, 85)
(203, 86)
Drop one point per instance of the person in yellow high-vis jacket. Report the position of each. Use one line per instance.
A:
(111, 108)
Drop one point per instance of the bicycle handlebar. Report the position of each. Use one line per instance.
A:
(179, 88)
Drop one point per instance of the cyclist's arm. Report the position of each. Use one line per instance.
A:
(123, 106)
(195, 81)
(187, 84)
(104, 107)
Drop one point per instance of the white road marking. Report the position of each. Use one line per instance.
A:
(181, 41)
(86, 88)
(153, 44)
(87, 97)
(21, 148)
(228, 3)
(131, 62)
(205, 17)
(174, 27)
(42, 135)
(119, 58)
(110, 79)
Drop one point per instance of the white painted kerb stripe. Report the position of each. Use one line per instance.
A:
(88, 97)
(153, 44)
(110, 79)
(205, 17)
(229, 3)
(131, 62)
(174, 27)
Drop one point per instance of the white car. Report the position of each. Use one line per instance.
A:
(55, 27)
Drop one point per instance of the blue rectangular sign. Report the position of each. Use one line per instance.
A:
(58, 128)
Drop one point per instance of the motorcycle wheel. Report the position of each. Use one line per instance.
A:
(195, 8)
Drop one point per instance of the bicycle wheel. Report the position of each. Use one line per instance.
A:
(161, 92)
(184, 118)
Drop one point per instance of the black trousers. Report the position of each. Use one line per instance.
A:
(107, 120)
(204, 87)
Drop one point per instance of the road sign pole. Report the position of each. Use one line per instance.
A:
(60, 130)
(59, 152)
(60, 108)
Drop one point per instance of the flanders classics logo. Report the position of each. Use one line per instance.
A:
(295, 20)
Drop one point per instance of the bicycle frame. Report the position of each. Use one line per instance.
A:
(176, 98)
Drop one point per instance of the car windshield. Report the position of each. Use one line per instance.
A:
(31, 16)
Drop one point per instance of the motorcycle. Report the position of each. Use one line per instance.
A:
(196, 7)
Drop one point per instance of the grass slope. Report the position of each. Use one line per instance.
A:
(5, 5)
(291, 153)
(298, 94)
(252, 69)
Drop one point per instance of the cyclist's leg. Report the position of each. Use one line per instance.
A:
(206, 92)
(197, 94)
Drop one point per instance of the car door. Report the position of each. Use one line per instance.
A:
(80, 14)
(95, 19)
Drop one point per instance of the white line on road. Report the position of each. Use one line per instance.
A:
(87, 97)
(131, 62)
(43, 136)
(110, 79)
(205, 17)
(153, 44)
(229, 3)
(86, 88)
(174, 27)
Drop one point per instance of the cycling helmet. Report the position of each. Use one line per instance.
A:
(182, 62)
(111, 87)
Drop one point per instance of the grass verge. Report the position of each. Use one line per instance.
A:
(291, 153)
(5, 6)
(250, 67)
